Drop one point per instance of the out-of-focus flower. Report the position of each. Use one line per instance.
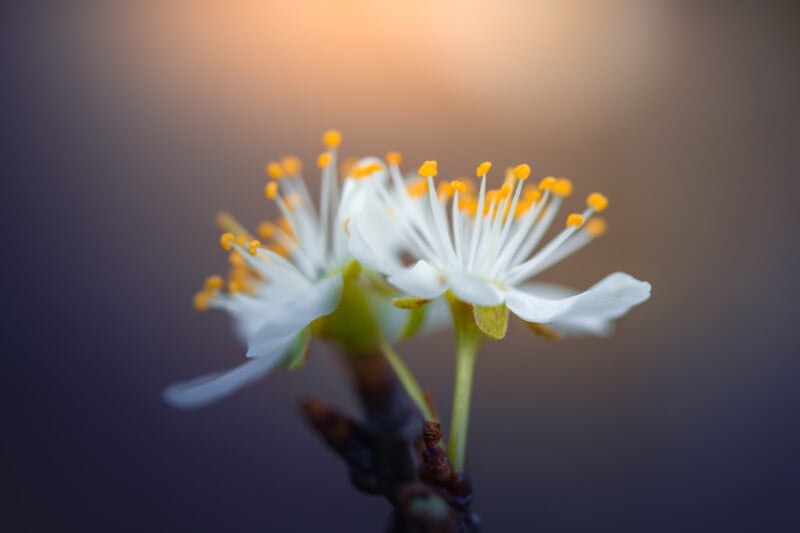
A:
(298, 279)
(486, 249)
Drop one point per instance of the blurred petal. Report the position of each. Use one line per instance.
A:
(610, 298)
(420, 280)
(207, 389)
(365, 246)
(318, 300)
(472, 289)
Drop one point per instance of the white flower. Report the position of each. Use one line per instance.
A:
(278, 289)
(488, 246)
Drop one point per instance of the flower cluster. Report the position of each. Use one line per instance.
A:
(342, 271)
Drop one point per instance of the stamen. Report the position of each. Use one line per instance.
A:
(597, 201)
(226, 241)
(522, 172)
(483, 169)
(252, 248)
(575, 220)
(547, 183)
(429, 169)
(459, 186)
(418, 189)
(562, 187)
(201, 300)
(324, 159)
(291, 165)
(271, 190)
(274, 170)
(332, 139)
(394, 158)
(213, 283)
(266, 230)
(236, 260)
(596, 227)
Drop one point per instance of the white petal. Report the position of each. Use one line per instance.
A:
(293, 315)
(573, 324)
(610, 298)
(472, 289)
(420, 280)
(207, 389)
(364, 245)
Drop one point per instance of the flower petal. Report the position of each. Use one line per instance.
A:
(610, 298)
(364, 245)
(207, 389)
(309, 304)
(472, 289)
(420, 280)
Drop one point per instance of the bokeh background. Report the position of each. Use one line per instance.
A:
(128, 125)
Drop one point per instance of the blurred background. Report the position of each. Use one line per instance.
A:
(128, 125)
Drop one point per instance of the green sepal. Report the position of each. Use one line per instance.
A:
(352, 271)
(492, 321)
(416, 318)
(409, 302)
(298, 353)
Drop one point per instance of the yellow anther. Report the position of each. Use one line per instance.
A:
(505, 190)
(252, 248)
(242, 240)
(279, 249)
(418, 188)
(596, 227)
(468, 205)
(522, 172)
(286, 226)
(429, 169)
(271, 190)
(394, 158)
(562, 187)
(291, 165)
(522, 208)
(483, 168)
(459, 186)
(445, 190)
(274, 170)
(492, 196)
(234, 286)
(367, 170)
(236, 259)
(266, 230)
(332, 138)
(531, 194)
(213, 283)
(575, 220)
(547, 183)
(597, 201)
(324, 160)
(226, 240)
(227, 223)
(201, 300)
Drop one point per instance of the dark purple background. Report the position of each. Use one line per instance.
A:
(686, 420)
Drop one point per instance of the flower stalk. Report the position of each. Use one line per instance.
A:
(468, 342)
(407, 380)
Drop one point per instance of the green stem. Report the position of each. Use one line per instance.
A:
(465, 366)
(407, 379)
(468, 342)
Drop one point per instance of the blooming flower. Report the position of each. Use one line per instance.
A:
(298, 279)
(486, 249)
